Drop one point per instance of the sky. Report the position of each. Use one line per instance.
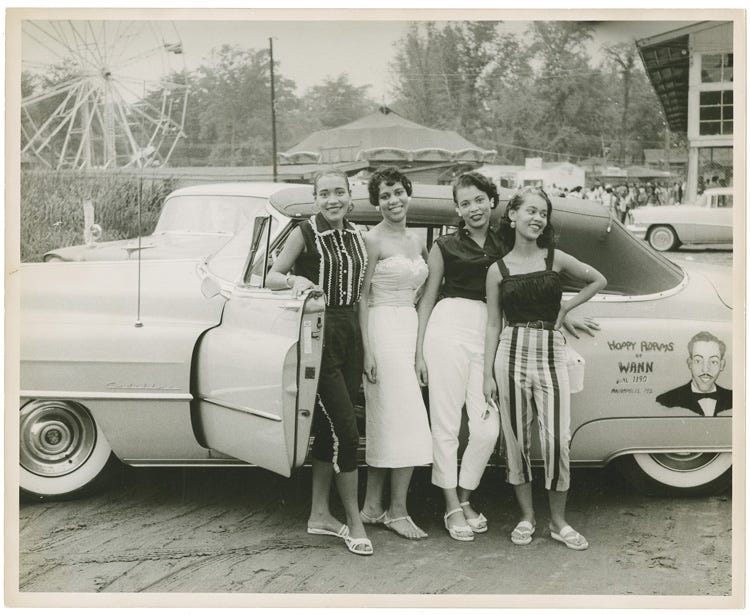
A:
(306, 51)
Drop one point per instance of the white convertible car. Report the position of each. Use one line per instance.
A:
(667, 227)
(184, 362)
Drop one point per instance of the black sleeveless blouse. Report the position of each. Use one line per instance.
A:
(528, 297)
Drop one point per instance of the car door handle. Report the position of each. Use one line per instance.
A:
(291, 306)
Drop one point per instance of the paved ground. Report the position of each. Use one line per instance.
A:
(242, 530)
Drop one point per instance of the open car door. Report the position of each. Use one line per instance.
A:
(256, 377)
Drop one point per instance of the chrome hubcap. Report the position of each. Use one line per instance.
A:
(661, 239)
(57, 437)
(684, 462)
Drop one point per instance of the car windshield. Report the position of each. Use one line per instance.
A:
(228, 263)
(210, 213)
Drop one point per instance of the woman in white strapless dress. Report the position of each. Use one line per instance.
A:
(397, 428)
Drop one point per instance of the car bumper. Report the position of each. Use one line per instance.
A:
(638, 230)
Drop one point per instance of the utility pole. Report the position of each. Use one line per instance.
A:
(273, 114)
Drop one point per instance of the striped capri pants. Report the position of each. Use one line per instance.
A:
(532, 381)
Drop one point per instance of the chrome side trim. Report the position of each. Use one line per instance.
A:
(605, 298)
(246, 410)
(192, 463)
(101, 395)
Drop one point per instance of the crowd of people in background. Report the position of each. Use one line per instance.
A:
(621, 198)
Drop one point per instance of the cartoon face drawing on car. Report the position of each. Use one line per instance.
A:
(702, 395)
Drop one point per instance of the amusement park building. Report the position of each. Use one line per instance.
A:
(691, 70)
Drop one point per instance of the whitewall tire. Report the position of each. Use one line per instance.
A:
(63, 452)
(689, 473)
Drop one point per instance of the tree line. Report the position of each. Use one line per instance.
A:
(535, 94)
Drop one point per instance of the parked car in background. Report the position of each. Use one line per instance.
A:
(194, 221)
(667, 227)
(213, 369)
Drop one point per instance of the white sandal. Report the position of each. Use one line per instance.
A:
(388, 523)
(368, 520)
(523, 532)
(570, 538)
(478, 524)
(464, 533)
(353, 543)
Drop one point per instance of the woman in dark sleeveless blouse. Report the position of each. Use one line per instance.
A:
(529, 367)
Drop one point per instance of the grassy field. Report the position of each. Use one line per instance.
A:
(52, 207)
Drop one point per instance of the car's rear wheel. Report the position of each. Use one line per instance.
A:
(663, 238)
(63, 452)
(678, 473)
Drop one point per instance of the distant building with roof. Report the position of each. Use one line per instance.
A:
(536, 172)
(673, 160)
(692, 72)
(428, 155)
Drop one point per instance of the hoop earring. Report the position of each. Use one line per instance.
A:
(512, 224)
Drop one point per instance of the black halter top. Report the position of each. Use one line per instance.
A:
(533, 296)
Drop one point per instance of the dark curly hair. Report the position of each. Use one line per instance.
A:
(479, 181)
(386, 175)
(508, 233)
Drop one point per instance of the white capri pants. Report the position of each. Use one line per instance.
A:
(454, 354)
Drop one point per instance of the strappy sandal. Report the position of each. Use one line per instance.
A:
(342, 533)
(368, 520)
(359, 546)
(464, 533)
(388, 523)
(570, 538)
(478, 524)
(522, 533)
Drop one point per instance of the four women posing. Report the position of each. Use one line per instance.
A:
(472, 278)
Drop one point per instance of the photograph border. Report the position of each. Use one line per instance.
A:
(13, 597)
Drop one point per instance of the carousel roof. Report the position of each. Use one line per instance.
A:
(385, 136)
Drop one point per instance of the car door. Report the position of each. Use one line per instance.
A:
(256, 376)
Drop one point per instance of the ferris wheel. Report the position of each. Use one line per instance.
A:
(101, 94)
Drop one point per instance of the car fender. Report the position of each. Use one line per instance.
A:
(597, 442)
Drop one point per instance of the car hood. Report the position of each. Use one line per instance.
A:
(162, 246)
(92, 292)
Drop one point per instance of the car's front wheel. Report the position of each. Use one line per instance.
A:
(678, 473)
(663, 238)
(63, 451)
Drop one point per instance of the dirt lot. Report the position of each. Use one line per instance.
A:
(243, 530)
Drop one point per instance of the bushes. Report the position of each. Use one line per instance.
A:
(52, 207)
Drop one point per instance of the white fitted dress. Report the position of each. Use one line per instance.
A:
(398, 431)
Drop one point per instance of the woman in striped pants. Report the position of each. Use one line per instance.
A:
(529, 367)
